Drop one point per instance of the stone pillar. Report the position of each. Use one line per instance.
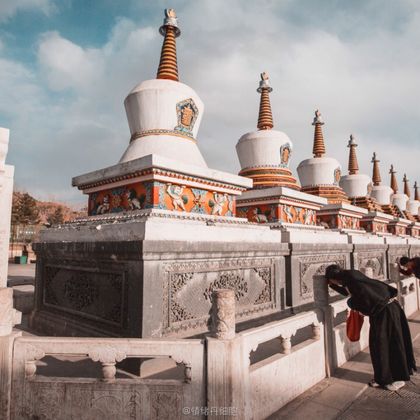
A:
(394, 273)
(225, 363)
(223, 314)
(6, 194)
(8, 318)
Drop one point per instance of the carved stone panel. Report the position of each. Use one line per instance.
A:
(189, 286)
(395, 253)
(52, 399)
(307, 282)
(87, 292)
(165, 403)
(373, 260)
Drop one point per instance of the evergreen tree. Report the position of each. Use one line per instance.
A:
(57, 217)
(27, 210)
(24, 209)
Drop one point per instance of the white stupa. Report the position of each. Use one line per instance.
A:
(163, 114)
(264, 154)
(397, 199)
(413, 205)
(381, 193)
(354, 184)
(321, 175)
(162, 169)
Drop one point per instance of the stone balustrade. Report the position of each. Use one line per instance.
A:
(259, 389)
(69, 397)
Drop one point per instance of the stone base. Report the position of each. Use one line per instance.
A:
(153, 277)
(279, 205)
(342, 216)
(398, 227)
(376, 222)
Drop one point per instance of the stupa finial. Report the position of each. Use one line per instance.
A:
(406, 186)
(353, 164)
(168, 66)
(265, 116)
(376, 176)
(416, 192)
(319, 146)
(394, 183)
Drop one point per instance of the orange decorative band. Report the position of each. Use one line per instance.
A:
(274, 213)
(162, 196)
(160, 132)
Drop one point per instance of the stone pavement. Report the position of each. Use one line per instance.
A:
(346, 395)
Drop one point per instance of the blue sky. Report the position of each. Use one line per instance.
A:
(66, 67)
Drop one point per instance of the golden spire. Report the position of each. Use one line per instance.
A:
(394, 183)
(265, 117)
(168, 66)
(353, 165)
(376, 176)
(406, 186)
(319, 146)
(416, 192)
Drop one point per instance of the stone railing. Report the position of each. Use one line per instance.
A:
(256, 390)
(247, 375)
(271, 383)
(65, 397)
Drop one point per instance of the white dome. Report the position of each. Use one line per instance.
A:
(264, 148)
(319, 171)
(413, 207)
(382, 194)
(355, 185)
(155, 110)
(400, 200)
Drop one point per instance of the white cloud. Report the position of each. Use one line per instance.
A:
(365, 82)
(67, 65)
(8, 8)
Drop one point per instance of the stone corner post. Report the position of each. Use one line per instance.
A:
(223, 314)
(9, 317)
(225, 368)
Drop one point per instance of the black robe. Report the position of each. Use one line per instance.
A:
(391, 348)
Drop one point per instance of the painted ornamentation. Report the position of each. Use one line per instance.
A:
(259, 214)
(175, 192)
(285, 153)
(115, 200)
(339, 221)
(187, 113)
(164, 196)
(299, 215)
(272, 213)
(347, 222)
(337, 175)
